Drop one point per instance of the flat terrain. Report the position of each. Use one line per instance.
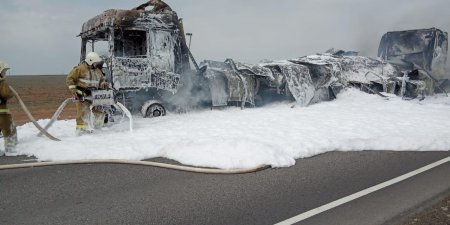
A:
(42, 95)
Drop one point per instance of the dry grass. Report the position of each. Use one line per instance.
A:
(42, 95)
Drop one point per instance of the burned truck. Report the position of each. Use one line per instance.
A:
(148, 66)
(411, 64)
(145, 55)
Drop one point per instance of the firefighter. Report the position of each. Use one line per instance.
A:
(7, 126)
(158, 6)
(82, 80)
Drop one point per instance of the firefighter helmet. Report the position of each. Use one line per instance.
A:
(92, 58)
(4, 66)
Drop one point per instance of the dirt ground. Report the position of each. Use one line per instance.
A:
(42, 95)
(439, 214)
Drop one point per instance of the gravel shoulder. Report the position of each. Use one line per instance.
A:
(437, 214)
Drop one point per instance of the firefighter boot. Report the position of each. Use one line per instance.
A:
(10, 144)
(99, 120)
(82, 130)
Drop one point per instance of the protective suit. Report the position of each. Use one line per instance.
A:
(81, 81)
(7, 126)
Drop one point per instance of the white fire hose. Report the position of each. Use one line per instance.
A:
(138, 163)
(30, 117)
(56, 115)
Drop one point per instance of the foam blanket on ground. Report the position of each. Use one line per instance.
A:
(275, 135)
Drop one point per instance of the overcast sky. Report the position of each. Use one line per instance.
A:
(39, 36)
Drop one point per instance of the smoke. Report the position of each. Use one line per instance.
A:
(193, 92)
(447, 70)
(447, 66)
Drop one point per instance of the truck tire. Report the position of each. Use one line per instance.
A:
(152, 109)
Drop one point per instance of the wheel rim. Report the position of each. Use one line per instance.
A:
(155, 110)
(156, 113)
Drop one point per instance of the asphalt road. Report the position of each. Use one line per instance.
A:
(118, 194)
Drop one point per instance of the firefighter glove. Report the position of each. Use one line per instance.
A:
(75, 97)
(104, 85)
(74, 94)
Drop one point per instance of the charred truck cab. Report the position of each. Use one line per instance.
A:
(421, 54)
(145, 55)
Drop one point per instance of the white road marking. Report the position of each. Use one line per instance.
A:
(360, 194)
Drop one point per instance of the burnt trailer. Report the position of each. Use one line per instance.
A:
(233, 82)
(421, 53)
(145, 54)
(411, 64)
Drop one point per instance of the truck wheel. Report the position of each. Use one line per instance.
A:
(153, 109)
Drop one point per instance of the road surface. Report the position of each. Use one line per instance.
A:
(119, 194)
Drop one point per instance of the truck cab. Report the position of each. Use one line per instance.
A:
(145, 55)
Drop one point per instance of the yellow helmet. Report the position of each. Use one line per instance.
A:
(4, 66)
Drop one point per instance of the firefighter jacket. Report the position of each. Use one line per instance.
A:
(83, 78)
(5, 95)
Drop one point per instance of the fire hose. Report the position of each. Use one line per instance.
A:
(56, 115)
(30, 117)
(138, 163)
(126, 162)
